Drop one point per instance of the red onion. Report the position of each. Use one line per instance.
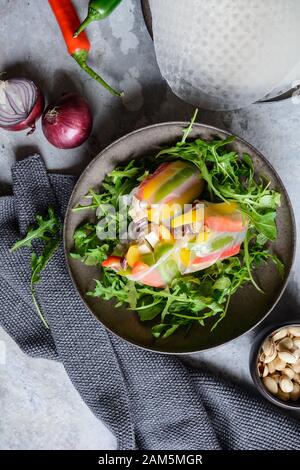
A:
(21, 104)
(68, 123)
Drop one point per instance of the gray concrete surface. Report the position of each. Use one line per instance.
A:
(39, 409)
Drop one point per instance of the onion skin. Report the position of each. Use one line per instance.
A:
(32, 118)
(35, 114)
(68, 123)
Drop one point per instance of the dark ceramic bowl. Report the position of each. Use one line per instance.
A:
(247, 307)
(254, 353)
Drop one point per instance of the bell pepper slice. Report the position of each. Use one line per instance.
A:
(185, 256)
(152, 278)
(212, 257)
(224, 217)
(113, 262)
(193, 216)
(133, 255)
(172, 182)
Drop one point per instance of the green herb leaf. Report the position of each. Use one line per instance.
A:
(87, 246)
(44, 229)
(261, 239)
(38, 264)
(222, 283)
(187, 130)
(47, 229)
(265, 224)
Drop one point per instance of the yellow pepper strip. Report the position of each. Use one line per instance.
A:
(194, 216)
(185, 256)
(133, 255)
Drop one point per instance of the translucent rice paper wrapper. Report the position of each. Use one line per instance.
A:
(221, 239)
(201, 255)
(159, 274)
(225, 54)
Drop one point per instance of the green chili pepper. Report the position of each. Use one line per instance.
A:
(78, 48)
(98, 10)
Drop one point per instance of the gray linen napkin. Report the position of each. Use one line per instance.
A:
(150, 401)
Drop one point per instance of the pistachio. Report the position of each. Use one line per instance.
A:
(294, 330)
(287, 356)
(295, 394)
(262, 357)
(265, 371)
(285, 343)
(285, 384)
(279, 364)
(296, 353)
(271, 357)
(270, 385)
(283, 395)
(289, 372)
(297, 378)
(280, 334)
(276, 377)
(296, 367)
(296, 342)
(271, 367)
(269, 347)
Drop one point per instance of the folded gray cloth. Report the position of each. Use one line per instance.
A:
(150, 401)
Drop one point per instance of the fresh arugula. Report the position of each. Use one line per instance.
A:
(47, 230)
(231, 178)
(86, 245)
(117, 183)
(42, 230)
(189, 299)
(193, 298)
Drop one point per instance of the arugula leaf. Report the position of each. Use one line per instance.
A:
(46, 229)
(231, 178)
(164, 330)
(261, 239)
(265, 224)
(278, 263)
(190, 298)
(149, 313)
(247, 260)
(87, 246)
(38, 264)
(270, 200)
(118, 182)
(222, 283)
(187, 131)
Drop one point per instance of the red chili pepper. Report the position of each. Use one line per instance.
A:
(79, 47)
